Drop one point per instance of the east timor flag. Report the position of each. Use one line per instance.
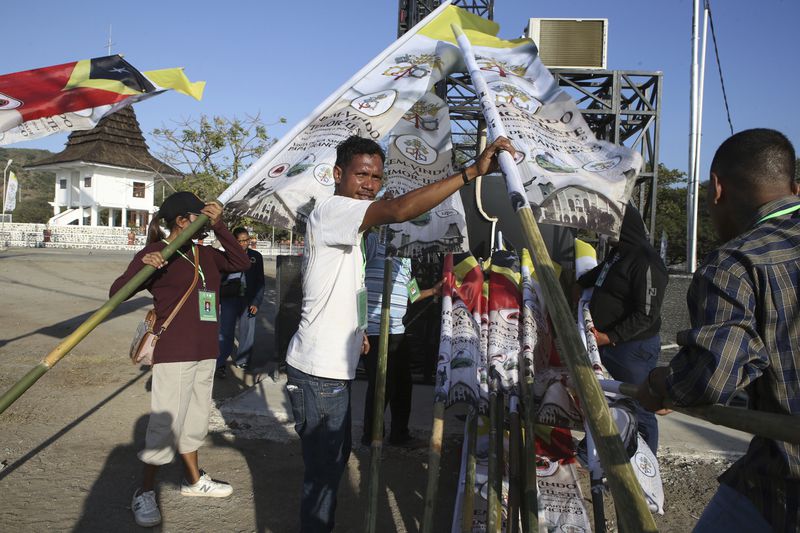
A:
(59, 89)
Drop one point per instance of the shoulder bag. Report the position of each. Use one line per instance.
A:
(145, 338)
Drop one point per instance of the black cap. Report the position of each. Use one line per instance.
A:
(180, 203)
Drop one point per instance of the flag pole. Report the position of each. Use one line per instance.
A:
(468, 509)
(3, 226)
(379, 403)
(530, 501)
(434, 460)
(65, 346)
(634, 515)
(494, 518)
(514, 456)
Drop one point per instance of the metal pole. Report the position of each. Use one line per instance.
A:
(634, 514)
(379, 404)
(692, 187)
(65, 346)
(699, 136)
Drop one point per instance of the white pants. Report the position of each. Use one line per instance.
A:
(180, 404)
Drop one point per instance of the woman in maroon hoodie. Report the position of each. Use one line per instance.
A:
(184, 358)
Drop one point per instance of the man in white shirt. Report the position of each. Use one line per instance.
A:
(323, 354)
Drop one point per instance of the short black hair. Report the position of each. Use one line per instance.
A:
(355, 145)
(755, 159)
(238, 231)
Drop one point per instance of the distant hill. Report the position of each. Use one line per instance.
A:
(37, 187)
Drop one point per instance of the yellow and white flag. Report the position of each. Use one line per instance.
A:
(10, 200)
(569, 177)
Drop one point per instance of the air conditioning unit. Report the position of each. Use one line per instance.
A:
(570, 43)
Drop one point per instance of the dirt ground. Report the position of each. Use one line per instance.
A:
(68, 446)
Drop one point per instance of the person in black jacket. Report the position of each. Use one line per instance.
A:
(629, 287)
(241, 294)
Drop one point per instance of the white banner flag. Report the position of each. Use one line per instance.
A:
(569, 177)
(10, 200)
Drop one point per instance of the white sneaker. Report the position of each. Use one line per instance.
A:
(206, 486)
(145, 509)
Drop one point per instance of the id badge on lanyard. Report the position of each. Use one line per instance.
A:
(208, 305)
(361, 306)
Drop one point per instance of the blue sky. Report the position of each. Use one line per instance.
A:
(281, 59)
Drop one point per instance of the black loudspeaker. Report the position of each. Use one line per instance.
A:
(289, 288)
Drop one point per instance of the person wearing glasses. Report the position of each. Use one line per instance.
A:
(241, 295)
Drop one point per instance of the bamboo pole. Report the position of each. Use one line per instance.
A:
(434, 459)
(468, 509)
(514, 459)
(65, 346)
(494, 517)
(379, 404)
(634, 515)
(530, 500)
(773, 426)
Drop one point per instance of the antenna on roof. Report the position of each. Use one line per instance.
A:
(109, 42)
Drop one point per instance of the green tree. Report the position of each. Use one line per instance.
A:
(671, 216)
(212, 152)
(36, 187)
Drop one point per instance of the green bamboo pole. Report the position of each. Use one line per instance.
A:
(65, 346)
(434, 460)
(494, 518)
(530, 500)
(773, 426)
(379, 404)
(468, 509)
(514, 476)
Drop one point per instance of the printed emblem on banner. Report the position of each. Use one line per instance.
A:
(507, 94)
(423, 116)
(545, 467)
(446, 213)
(510, 316)
(602, 166)
(499, 67)
(277, 170)
(413, 66)
(374, 104)
(416, 149)
(571, 528)
(551, 163)
(645, 465)
(324, 174)
(422, 220)
(6, 102)
(302, 165)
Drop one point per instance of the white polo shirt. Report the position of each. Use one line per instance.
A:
(328, 342)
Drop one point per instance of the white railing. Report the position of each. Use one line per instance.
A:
(22, 235)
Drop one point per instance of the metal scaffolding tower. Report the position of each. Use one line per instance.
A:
(623, 107)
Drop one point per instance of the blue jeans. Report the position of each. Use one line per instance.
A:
(321, 409)
(631, 362)
(730, 511)
(230, 309)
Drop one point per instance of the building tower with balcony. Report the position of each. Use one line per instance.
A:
(106, 176)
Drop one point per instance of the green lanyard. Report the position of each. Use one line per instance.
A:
(780, 213)
(363, 261)
(199, 268)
